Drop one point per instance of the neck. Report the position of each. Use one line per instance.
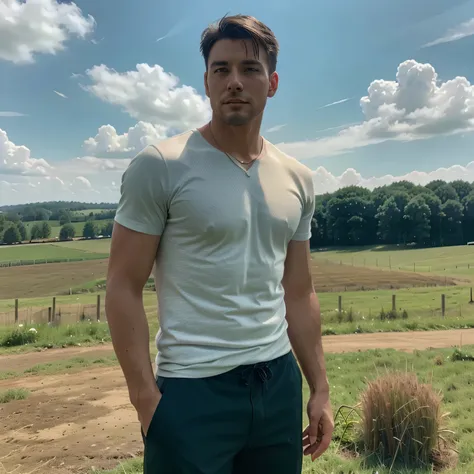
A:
(241, 140)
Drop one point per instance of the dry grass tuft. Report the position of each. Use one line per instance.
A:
(402, 422)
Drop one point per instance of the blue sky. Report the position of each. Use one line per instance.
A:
(100, 64)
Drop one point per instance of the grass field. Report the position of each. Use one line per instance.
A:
(454, 261)
(348, 374)
(81, 249)
(56, 227)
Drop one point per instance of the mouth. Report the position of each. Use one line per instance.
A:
(235, 101)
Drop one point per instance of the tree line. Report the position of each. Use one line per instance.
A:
(57, 210)
(12, 232)
(437, 214)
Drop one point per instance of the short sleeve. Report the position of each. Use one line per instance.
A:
(143, 204)
(303, 232)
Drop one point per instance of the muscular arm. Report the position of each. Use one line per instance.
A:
(304, 329)
(303, 315)
(131, 260)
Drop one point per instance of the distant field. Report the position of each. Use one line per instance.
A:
(49, 279)
(56, 227)
(86, 212)
(90, 249)
(454, 261)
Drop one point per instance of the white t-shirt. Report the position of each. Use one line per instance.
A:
(224, 235)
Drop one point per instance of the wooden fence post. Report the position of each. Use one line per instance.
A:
(394, 302)
(340, 303)
(443, 304)
(16, 309)
(54, 308)
(49, 314)
(98, 307)
(471, 296)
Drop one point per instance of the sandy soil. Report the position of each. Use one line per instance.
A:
(73, 422)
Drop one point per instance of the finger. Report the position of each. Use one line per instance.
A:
(322, 447)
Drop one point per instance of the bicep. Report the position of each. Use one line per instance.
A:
(297, 279)
(132, 256)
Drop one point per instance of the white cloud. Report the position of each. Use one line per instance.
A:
(276, 128)
(415, 106)
(142, 134)
(150, 94)
(11, 114)
(61, 94)
(333, 103)
(39, 27)
(455, 34)
(324, 181)
(16, 160)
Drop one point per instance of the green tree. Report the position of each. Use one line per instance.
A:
(64, 217)
(45, 230)
(107, 229)
(417, 214)
(462, 188)
(452, 214)
(36, 232)
(434, 203)
(446, 192)
(11, 235)
(468, 202)
(23, 231)
(67, 232)
(389, 217)
(90, 230)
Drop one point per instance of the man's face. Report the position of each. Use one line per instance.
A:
(238, 82)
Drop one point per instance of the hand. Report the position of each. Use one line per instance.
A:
(146, 408)
(317, 436)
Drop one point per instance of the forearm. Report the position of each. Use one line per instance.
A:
(131, 340)
(304, 330)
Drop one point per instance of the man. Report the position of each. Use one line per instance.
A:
(225, 217)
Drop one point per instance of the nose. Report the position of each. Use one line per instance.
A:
(234, 84)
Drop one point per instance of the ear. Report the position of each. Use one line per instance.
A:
(273, 86)
(206, 85)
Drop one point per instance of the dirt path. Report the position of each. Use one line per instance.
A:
(73, 422)
(404, 341)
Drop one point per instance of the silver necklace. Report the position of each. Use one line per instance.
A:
(233, 157)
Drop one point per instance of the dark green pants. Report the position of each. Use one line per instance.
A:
(245, 421)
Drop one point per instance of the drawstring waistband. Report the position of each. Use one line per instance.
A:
(262, 370)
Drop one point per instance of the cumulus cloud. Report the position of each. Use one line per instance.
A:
(326, 182)
(26, 179)
(17, 160)
(39, 27)
(276, 128)
(150, 94)
(108, 140)
(414, 106)
(455, 34)
(11, 114)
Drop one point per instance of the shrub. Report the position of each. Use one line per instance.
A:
(404, 314)
(19, 337)
(401, 420)
(392, 314)
(458, 355)
(13, 394)
(383, 316)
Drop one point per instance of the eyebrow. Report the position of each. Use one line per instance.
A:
(247, 62)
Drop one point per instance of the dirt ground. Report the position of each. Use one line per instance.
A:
(73, 422)
(53, 279)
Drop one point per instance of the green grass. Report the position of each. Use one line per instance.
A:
(61, 251)
(450, 261)
(45, 336)
(348, 374)
(13, 394)
(74, 364)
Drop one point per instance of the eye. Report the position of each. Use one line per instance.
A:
(252, 69)
(220, 69)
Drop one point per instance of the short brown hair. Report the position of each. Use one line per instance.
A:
(241, 27)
